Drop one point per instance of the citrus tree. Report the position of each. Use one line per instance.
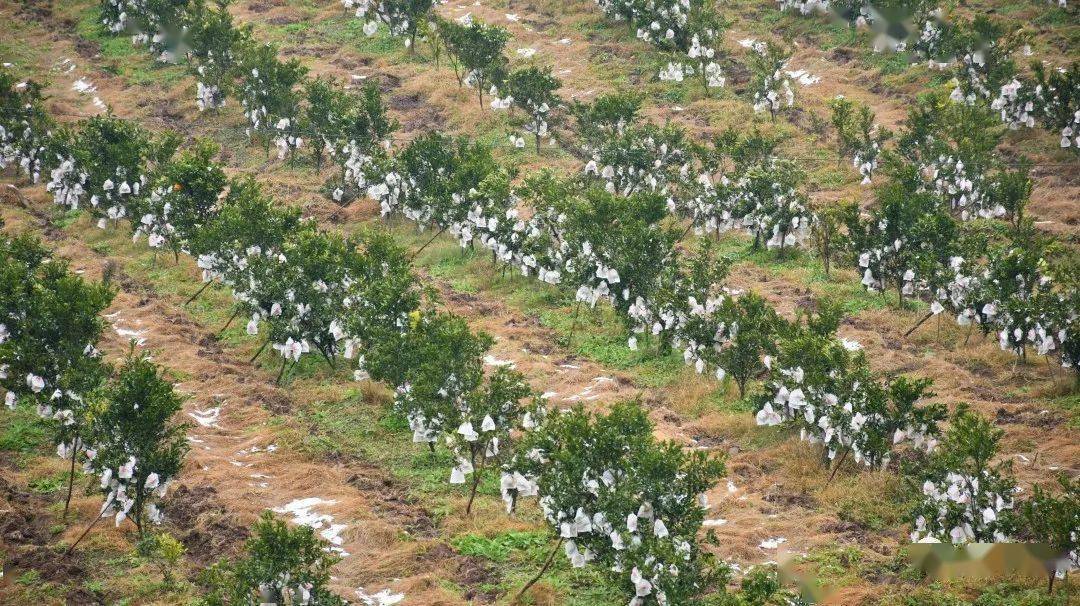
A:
(533, 90)
(1060, 102)
(772, 87)
(487, 421)
(25, 126)
(107, 161)
(138, 446)
(619, 499)
(279, 563)
(216, 49)
(248, 226)
(50, 324)
(269, 93)
(404, 18)
(857, 135)
(607, 116)
(434, 367)
(966, 497)
(824, 386)
(478, 49)
(183, 197)
(906, 243)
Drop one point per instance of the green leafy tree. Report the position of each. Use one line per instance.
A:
(25, 126)
(771, 85)
(487, 420)
(608, 115)
(618, 498)
(107, 162)
(183, 198)
(478, 49)
(1054, 520)
(760, 587)
(404, 18)
(828, 234)
(249, 225)
(138, 444)
(327, 112)
(434, 367)
(533, 90)
(216, 49)
(906, 243)
(752, 326)
(1061, 102)
(772, 206)
(269, 91)
(858, 137)
(280, 565)
(966, 497)
(50, 323)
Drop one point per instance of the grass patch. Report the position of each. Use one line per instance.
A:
(1071, 405)
(875, 503)
(498, 548)
(21, 431)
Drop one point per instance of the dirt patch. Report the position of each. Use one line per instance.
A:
(22, 521)
(87, 49)
(473, 574)
(395, 503)
(842, 55)
(387, 82)
(777, 495)
(276, 401)
(202, 523)
(424, 119)
(263, 6)
(51, 565)
(406, 101)
(1028, 415)
(38, 10)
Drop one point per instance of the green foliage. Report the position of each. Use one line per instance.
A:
(109, 162)
(608, 115)
(498, 548)
(25, 126)
(617, 497)
(434, 365)
(760, 587)
(435, 173)
(771, 86)
(476, 52)
(966, 497)
(906, 242)
(826, 388)
(278, 564)
(138, 444)
(533, 90)
(829, 238)
(216, 49)
(50, 324)
(164, 551)
(269, 92)
(755, 338)
(1054, 520)
(183, 199)
(857, 135)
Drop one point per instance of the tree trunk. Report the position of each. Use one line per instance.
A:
(547, 564)
(83, 535)
(71, 472)
(200, 291)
